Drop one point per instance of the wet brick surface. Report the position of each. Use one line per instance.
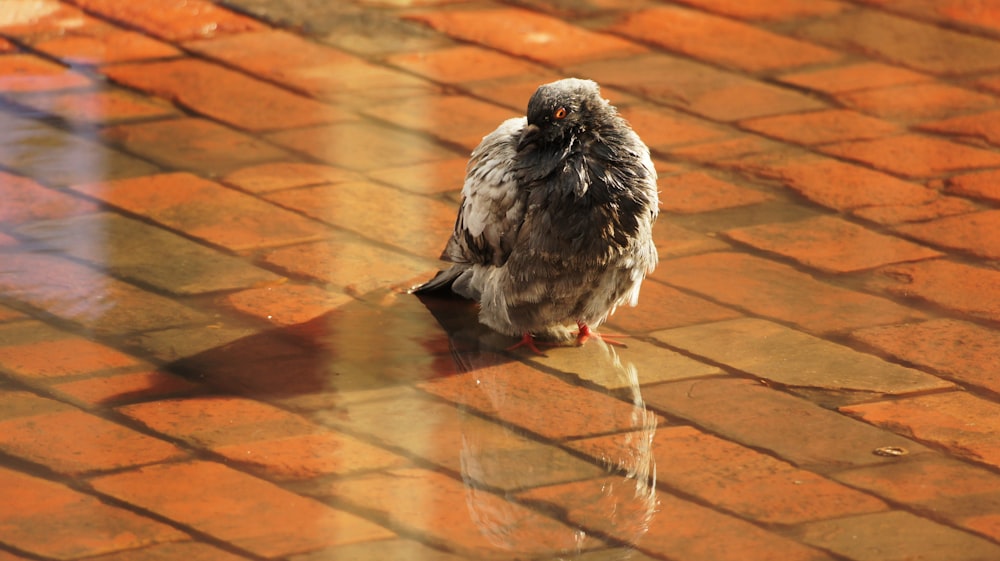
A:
(212, 209)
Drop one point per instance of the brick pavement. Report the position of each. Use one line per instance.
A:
(210, 212)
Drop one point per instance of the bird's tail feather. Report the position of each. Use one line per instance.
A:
(442, 280)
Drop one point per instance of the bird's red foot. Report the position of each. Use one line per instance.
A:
(527, 340)
(586, 333)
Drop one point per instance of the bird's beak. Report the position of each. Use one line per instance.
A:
(528, 136)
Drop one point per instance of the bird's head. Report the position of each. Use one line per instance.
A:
(560, 110)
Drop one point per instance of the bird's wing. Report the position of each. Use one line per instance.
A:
(492, 203)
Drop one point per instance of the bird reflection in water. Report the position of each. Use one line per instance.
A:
(620, 491)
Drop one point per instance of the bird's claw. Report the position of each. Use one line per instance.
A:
(527, 340)
(586, 333)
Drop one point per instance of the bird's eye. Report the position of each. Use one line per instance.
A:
(560, 113)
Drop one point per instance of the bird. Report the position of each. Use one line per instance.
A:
(555, 222)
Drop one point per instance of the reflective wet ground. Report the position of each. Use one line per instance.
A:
(210, 214)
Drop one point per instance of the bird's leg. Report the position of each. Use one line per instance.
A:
(527, 340)
(586, 333)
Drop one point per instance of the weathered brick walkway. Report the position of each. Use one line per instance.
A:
(209, 212)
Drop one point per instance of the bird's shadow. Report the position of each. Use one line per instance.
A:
(382, 339)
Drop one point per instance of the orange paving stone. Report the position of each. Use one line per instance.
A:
(831, 245)
(106, 48)
(699, 192)
(88, 526)
(775, 290)
(951, 420)
(101, 107)
(821, 127)
(527, 34)
(29, 73)
(78, 442)
(283, 523)
(207, 210)
(917, 102)
(63, 357)
(720, 40)
(212, 90)
(207, 350)
(956, 286)
(740, 480)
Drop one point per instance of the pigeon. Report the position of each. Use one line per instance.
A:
(555, 223)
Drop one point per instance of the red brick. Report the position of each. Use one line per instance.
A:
(983, 14)
(695, 87)
(110, 46)
(282, 523)
(665, 525)
(895, 536)
(956, 491)
(101, 107)
(720, 40)
(831, 244)
(189, 551)
(696, 192)
(6, 46)
(193, 144)
(41, 19)
(226, 95)
(917, 102)
(18, 404)
(912, 155)
(916, 45)
(955, 286)
(514, 393)
(896, 214)
(73, 442)
(775, 10)
(982, 185)
(774, 353)
(425, 179)
(428, 503)
(743, 146)
(305, 456)
(738, 479)
(8, 314)
(363, 146)
(67, 157)
(513, 91)
(953, 420)
(287, 304)
(64, 357)
(463, 63)
(313, 69)
(454, 438)
(174, 21)
(778, 291)
(33, 507)
(25, 200)
(362, 208)
(835, 184)
(757, 416)
(120, 388)
(209, 421)
(660, 127)
(527, 35)
(67, 290)
(977, 233)
(206, 210)
(923, 480)
(820, 127)
(854, 77)
(682, 309)
(357, 267)
(29, 73)
(265, 178)
(981, 126)
(453, 118)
